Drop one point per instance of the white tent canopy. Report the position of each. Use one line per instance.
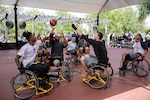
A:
(81, 6)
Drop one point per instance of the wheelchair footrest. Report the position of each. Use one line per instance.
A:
(84, 80)
(53, 74)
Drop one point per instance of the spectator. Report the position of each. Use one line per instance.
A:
(83, 46)
(69, 36)
(43, 50)
(72, 48)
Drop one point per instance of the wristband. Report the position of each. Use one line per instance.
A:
(74, 27)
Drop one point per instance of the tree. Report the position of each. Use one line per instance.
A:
(65, 27)
(144, 11)
(121, 20)
(38, 24)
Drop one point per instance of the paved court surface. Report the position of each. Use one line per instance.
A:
(129, 87)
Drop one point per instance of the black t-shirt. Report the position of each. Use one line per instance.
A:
(99, 49)
(56, 48)
(83, 43)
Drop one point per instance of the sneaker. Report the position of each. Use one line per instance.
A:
(120, 68)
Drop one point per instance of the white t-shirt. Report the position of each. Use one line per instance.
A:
(28, 53)
(138, 48)
(71, 46)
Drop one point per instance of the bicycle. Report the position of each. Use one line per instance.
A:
(140, 67)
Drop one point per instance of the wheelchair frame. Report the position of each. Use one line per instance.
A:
(137, 65)
(29, 81)
(100, 76)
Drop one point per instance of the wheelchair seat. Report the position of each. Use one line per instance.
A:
(60, 58)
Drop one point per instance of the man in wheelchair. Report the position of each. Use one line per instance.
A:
(28, 53)
(99, 49)
(57, 48)
(140, 50)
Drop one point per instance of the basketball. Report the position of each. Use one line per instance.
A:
(53, 22)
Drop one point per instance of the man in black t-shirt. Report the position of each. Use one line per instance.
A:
(57, 46)
(99, 49)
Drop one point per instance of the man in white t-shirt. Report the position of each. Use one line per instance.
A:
(28, 53)
(72, 45)
(140, 50)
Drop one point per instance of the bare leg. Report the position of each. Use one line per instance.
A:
(123, 62)
(82, 62)
(86, 50)
(81, 50)
(123, 57)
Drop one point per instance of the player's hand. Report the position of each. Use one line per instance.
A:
(140, 57)
(21, 70)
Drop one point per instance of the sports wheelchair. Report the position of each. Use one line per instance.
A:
(28, 83)
(140, 67)
(98, 76)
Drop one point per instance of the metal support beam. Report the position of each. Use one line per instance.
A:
(16, 25)
(33, 24)
(106, 28)
(98, 19)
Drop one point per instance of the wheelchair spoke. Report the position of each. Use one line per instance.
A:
(97, 77)
(141, 68)
(25, 85)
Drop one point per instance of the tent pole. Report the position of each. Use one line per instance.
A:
(98, 19)
(16, 26)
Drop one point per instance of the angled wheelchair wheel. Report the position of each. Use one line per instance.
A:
(25, 85)
(97, 77)
(67, 58)
(67, 73)
(141, 68)
(110, 70)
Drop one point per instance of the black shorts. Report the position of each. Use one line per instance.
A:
(90, 61)
(73, 52)
(54, 58)
(131, 56)
(39, 69)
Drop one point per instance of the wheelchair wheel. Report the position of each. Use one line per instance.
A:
(68, 58)
(110, 70)
(25, 85)
(68, 74)
(97, 77)
(141, 68)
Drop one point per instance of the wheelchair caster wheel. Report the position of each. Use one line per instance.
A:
(122, 73)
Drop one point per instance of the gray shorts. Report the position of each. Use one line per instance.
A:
(90, 61)
(131, 55)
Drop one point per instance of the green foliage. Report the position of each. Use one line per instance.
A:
(34, 12)
(121, 20)
(6, 9)
(147, 30)
(65, 27)
(62, 13)
(144, 11)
